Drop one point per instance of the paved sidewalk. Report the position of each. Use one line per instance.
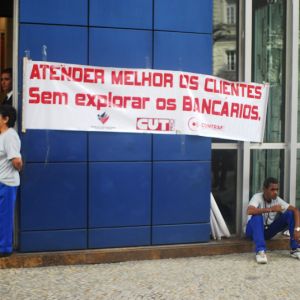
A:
(233, 276)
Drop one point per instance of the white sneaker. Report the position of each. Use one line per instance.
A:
(261, 257)
(295, 253)
(286, 233)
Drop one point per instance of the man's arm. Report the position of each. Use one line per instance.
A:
(252, 210)
(296, 215)
(17, 163)
(297, 220)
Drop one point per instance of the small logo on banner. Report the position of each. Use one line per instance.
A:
(155, 124)
(103, 118)
(193, 124)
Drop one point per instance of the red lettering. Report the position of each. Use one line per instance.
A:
(47, 97)
(254, 113)
(161, 103)
(207, 88)
(77, 74)
(142, 78)
(250, 91)
(61, 73)
(258, 92)
(109, 100)
(80, 99)
(99, 76)
(158, 80)
(186, 103)
(243, 86)
(234, 110)
(171, 104)
(117, 77)
(214, 107)
(35, 73)
(234, 89)
(188, 82)
(91, 100)
(66, 73)
(88, 75)
(197, 107)
(218, 86)
(44, 70)
(246, 111)
(224, 111)
(34, 97)
(53, 73)
(206, 106)
(168, 80)
(194, 82)
(226, 86)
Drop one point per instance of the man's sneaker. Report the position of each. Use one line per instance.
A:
(295, 253)
(261, 257)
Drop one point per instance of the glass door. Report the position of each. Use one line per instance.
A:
(268, 65)
(224, 152)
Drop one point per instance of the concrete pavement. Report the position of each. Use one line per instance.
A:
(233, 276)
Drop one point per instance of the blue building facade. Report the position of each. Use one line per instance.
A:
(84, 190)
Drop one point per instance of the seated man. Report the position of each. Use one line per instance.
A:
(268, 214)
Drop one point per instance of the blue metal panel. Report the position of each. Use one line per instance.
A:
(54, 11)
(181, 192)
(119, 194)
(54, 196)
(184, 233)
(64, 43)
(122, 14)
(50, 145)
(58, 240)
(183, 51)
(119, 147)
(187, 15)
(120, 48)
(181, 147)
(119, 237)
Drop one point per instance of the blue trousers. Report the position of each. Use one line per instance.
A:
(255, 229)
(7, 207)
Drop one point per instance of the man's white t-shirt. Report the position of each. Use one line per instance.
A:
(258, 201)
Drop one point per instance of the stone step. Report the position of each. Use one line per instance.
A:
(96, 256)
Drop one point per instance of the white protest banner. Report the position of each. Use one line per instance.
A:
(88, 98)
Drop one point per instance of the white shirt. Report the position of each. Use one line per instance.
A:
(258, 201)
(8, 95)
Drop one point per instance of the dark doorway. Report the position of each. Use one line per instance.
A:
(6, 8)
(6, 34)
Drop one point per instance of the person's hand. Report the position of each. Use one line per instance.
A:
(277, 208)
(17, 163)
(297, 235)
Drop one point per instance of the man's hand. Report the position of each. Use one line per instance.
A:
(17, 163)
(296, 213)
(297, 235)
(277, 208)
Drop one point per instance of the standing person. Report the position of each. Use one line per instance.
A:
(6, 86)
(10, 166)
(268, 215)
